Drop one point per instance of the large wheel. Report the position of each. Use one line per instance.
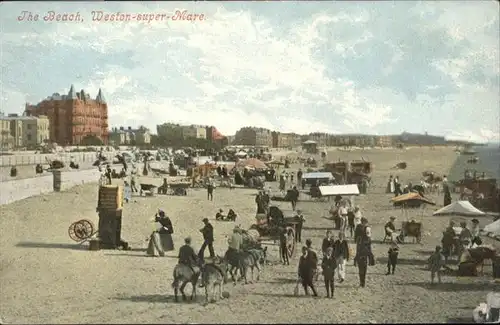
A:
(81, 230)
(290, 241)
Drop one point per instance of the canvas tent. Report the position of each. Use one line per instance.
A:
(350, 189)
(493, 229)
(459, 208)
(408, 197)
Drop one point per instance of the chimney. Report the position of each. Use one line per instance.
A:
(130, 128)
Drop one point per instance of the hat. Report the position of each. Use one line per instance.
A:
(308, 242)
(187, 240)
(475, 220)
(205, 220)
(392, 218)
(220, 210)
(161, 213)
(236, 229)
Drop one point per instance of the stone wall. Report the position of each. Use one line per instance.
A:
(15, 190)
(20, 159)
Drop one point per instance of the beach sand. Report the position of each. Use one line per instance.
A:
(47, 278)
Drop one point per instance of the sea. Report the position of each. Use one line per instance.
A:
(489, 163)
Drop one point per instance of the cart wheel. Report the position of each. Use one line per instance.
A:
(290, 241)
(80, 230)
(89, 226)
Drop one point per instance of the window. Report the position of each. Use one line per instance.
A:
(29, 137)
(28, 126)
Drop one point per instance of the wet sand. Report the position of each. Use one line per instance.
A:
(47, 278)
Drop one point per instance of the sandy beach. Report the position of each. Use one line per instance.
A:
(47, 278)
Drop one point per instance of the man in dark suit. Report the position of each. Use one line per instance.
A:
(208, 239)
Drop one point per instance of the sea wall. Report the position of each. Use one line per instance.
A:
(22, 159)
(15, 190)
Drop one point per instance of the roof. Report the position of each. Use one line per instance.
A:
(317, 175)
(309, 142)
(410, 197)
(349, 189)
(461, 208)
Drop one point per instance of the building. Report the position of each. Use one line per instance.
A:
(129, 136)
(23, 131)
(251, 136)
(215, 136)
(194, 131)
(169, 131)
(285, 140)
(320, 138)
(384, 141)
(73, 117)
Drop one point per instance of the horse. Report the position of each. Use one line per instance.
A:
(184, 274)
(214, 275)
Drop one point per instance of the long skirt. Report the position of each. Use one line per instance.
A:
(159, 244)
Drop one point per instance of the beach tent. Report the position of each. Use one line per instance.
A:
(241, 154)
(459, 208)
(493, 229)
(409, 197)
(332, 190)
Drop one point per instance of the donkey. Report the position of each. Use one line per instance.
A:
(213, 275)
(184, 274)
(251, 259)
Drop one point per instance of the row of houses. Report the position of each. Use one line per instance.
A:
(183, 132)
(252, 136)
(128, 136)
(23, 131)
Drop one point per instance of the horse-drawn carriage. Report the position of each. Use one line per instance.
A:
(339, 170)
(271, 230)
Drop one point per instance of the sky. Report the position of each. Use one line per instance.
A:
(336, 67)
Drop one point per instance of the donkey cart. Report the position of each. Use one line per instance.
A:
(81, 230)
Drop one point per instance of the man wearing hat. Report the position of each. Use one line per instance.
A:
(187, 255)
(234, 245)
(208, 239)
(299, 217)
(390, 228)
(474, 230)
(392, 258)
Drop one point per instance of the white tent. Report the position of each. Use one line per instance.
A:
(349, 189)
(461, 208)
(493, 228)
(241, 154)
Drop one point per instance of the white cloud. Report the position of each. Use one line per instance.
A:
(243, 67)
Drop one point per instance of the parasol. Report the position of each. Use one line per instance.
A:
(412, 196)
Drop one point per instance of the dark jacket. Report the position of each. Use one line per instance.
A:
(327, 243)
(390, 225)
(329, 265)
(313, 258)
(167, 223)
(208, 233)
(299, 174)
(306, 268)
(293, 195)
(341, 248)
(393, 253)
(187, 255)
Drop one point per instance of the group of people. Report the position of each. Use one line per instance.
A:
(454, 243)
(336, 253)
